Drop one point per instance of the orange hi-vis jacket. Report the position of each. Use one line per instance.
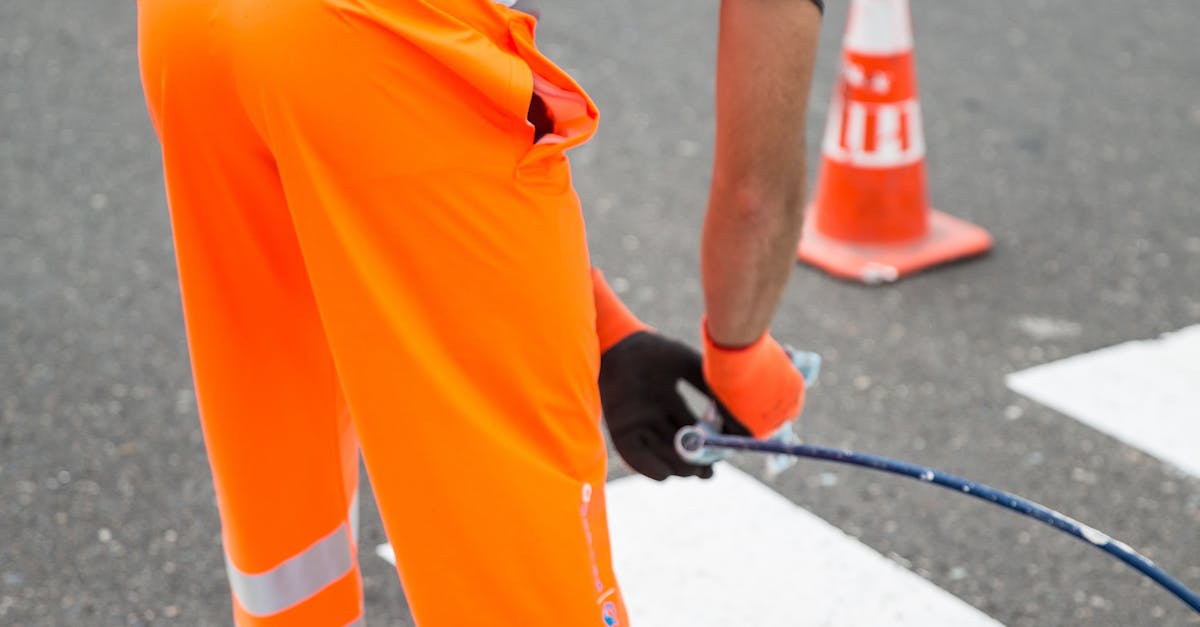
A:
(373, 251)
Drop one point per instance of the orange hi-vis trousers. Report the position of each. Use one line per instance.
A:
(372, 249)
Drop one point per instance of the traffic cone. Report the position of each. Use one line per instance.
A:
(870, 220)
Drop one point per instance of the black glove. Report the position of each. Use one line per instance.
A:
(642, 407)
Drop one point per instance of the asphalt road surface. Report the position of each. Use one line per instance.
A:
(1070, 129)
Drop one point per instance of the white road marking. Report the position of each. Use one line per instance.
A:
(1144, 393)
(731, 551)
(386, 552)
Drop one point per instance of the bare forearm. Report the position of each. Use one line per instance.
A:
(755, 213)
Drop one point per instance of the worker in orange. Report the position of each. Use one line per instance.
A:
(379, 244)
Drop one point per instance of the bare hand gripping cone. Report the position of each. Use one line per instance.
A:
(870, 220)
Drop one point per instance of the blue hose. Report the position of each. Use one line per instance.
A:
(691, 442)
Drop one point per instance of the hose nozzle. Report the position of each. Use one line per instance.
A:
(689, 443)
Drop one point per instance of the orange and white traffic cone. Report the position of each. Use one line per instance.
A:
(870, 220)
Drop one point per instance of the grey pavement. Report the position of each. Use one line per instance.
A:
(1069, 129)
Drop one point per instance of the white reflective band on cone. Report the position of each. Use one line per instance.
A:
(294, 580)
(879, 27)
(898, 134)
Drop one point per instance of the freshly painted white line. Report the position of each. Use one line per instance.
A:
(731, 551)
(1144, 393)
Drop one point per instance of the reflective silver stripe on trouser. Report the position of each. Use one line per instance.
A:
(295, 579)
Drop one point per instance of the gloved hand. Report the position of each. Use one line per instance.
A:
(639, 370)
(642, 406)
(757, 384)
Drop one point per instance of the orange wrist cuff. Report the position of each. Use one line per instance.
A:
(757, 383)
(614, 321)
